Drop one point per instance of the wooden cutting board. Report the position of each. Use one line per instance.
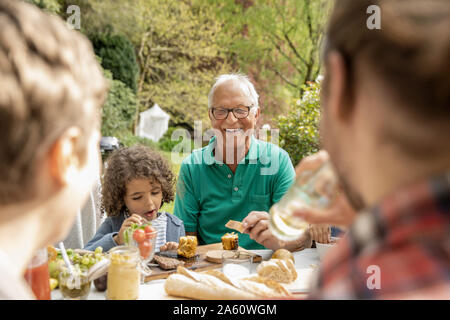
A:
(198, 264)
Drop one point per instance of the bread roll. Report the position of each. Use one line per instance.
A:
(283, 254)
(282, 271)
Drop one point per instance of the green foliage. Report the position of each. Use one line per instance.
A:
(181, 46)
(299, 129)
(180, 58)
(85, 11)
(119, 111)
(275, 42)
(118, 56)
(166, 143)
(52, 6)
(177, 51)
(129, 140)
(282, 36)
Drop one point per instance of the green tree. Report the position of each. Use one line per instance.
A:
(118, 56)
(177, 52)
(180, 58)
(166, 143)
(119, 110)
(277, 42)
(299, 129)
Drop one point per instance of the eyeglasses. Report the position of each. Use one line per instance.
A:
(239, 113)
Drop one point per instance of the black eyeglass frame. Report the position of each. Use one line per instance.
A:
(231, 110)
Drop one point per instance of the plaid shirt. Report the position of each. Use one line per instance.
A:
(398, 250)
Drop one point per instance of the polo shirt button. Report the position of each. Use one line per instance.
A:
(229, 176)
(236, 188)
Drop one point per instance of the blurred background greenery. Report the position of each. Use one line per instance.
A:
(169, 52)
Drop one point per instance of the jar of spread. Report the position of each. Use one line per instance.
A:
(123, 274)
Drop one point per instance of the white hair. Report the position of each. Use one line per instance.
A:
(245, 84)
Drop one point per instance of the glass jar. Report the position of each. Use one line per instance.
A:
(237, 264)
(37, 275)
(312, 189)
(76, 287)
(123, 273)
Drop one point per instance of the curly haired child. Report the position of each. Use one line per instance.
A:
(137, 182)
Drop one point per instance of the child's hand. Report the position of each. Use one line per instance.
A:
(169, 246)
(127, 223)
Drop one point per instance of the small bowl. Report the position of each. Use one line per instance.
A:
(322, 248)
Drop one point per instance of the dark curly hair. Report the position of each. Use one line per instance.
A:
(127, 164)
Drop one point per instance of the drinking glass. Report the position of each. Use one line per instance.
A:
(315, 189)
(37, 275)
(237, 264)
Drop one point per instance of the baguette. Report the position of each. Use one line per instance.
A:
(258, 288)
(214, 285)
(210, 288)
(220, 275)
(271, 284)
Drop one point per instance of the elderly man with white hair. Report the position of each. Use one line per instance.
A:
(235, 177)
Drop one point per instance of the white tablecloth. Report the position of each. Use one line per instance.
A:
(306, 262)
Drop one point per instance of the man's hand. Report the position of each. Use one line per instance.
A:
(257, 227)
(340, 214)
(320, 233)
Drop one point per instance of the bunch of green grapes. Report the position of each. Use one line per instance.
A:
(86, 261)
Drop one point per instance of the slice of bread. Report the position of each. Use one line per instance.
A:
(235, 225)
(282, 271)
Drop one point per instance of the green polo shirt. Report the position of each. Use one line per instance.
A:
(209, 194)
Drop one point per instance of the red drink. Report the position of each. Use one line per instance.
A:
(38, 277)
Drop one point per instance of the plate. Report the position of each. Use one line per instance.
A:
(303, 282)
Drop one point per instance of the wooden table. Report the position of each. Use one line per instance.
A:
(154, 290)
(199, 263)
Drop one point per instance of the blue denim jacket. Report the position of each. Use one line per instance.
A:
(111, 226)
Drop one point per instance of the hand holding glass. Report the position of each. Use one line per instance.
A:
(312, 189)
